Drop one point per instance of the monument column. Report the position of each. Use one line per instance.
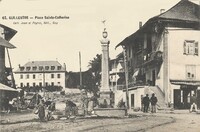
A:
(105, 90)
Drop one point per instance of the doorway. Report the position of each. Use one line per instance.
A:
(132, 101)
(153, 77)
(182, 96)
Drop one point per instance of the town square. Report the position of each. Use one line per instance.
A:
(100, 66)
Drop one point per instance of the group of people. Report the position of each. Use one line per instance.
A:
(146, 101)
(41, 106)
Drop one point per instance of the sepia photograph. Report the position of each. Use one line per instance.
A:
(100, 66)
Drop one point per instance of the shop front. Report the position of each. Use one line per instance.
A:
(182, 96)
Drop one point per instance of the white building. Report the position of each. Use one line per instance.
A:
(40, 73)
(163, 56)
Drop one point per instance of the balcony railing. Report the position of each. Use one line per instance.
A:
(118, 87)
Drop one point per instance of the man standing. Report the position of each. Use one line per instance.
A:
(193, 101)
(154, 101)
(146, 103)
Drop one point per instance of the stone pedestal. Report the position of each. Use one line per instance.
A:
(105, 100)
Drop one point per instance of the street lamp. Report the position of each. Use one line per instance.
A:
(126, 75)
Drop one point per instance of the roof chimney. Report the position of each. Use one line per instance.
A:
(140, 24)
(162, 11)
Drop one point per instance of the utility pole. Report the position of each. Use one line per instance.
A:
(12, 76)
(126, 77)
(80, 70)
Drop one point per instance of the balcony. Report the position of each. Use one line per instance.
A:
(118, 87)
(153, 58)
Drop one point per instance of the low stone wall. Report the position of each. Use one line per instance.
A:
(110, 112)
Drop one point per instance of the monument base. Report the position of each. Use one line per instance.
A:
(105, 99)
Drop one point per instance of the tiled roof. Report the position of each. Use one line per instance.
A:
(6, 44)
(42, 63)
(9, 32)
(41, 66)
(184, 11)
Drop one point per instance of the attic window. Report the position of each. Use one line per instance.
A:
(46, 67)
(52, 67)
(28, 68)
(21, 68)
(40, 68)
(59, 68)
(34, 68)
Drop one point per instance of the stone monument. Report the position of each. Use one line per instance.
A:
(105, 90)
(105, 100)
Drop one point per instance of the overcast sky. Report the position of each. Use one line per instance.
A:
(81, 32)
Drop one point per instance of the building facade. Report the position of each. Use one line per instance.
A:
(40, 73)
(163, 57)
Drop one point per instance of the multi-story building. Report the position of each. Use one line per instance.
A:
(41, 73)
(6, 35)
(163, 57)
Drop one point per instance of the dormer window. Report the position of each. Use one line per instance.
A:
(34, 68)
(40, 68)
(52, 67)
(28, 68)
(58, 67)
(21, 68)
(46, 67)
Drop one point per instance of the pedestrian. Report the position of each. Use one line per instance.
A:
(193, 101)
(41, 110)
(146, 103)
(142, 105)
(51, 108)
(6, 104)
(153, 101)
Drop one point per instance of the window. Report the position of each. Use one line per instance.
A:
(190, 47)
(27, 84)
(21, 85)
(59, 67)
(58, 75)
(52, 75)
(40, 84)
(34, 68)
(40, 68)
(52, 83)
(28, 68)
(21, 68)
(27, 76)
(33, 84)
(46, 84)
(52, 67)
(21, 76)
(33, 76)
(190, 71)
(46, 67)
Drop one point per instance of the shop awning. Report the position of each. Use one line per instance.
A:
(6, 44)
(186, 82)
(6, 88)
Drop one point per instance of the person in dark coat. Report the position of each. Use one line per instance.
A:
(41, 110)
(153, 101)
(193, 101)
(146, 101)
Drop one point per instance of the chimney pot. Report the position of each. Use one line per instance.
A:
(162, 11)
(140, 24)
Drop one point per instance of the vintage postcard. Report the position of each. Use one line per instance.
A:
(99, 65)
